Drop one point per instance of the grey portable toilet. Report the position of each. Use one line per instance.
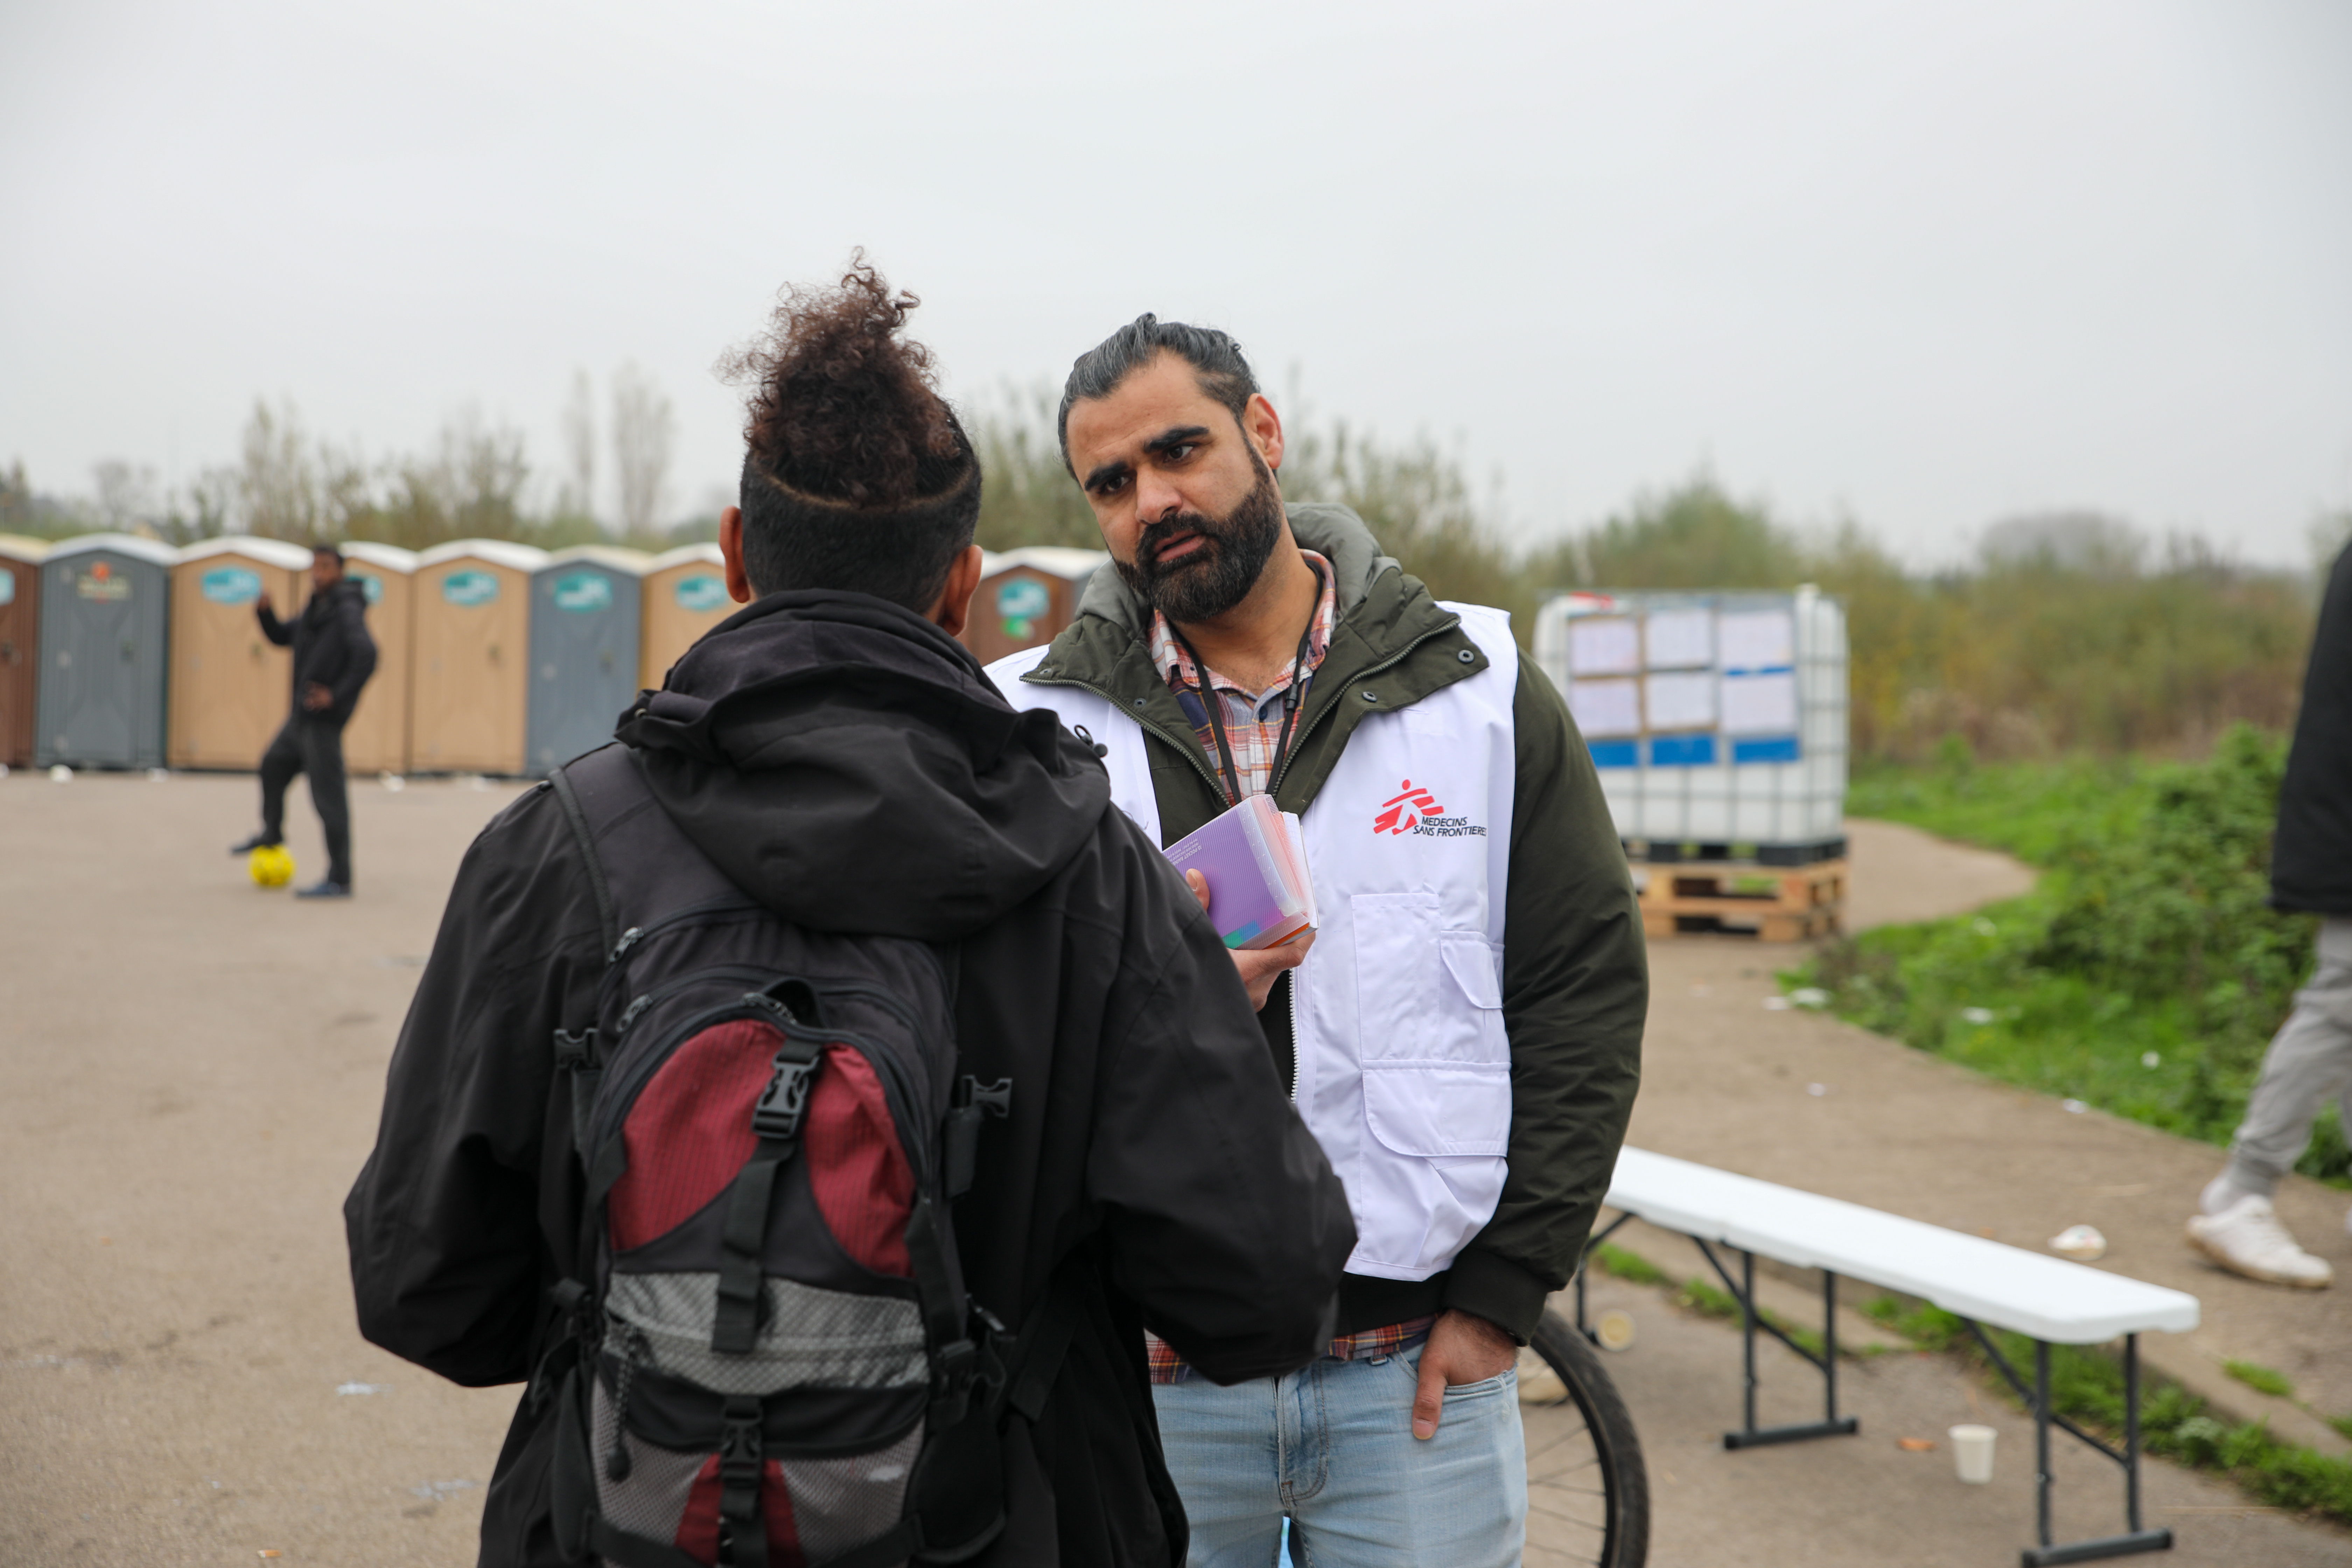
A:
(105, 617)
(586, 614)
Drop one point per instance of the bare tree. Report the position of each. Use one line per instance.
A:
(643, 426)
(278, 488)
(126, 495)
(577, 497)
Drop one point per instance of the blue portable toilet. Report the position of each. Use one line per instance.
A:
(105, 658)
(585, 616)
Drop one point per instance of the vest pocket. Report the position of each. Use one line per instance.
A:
(1439, 1109)
(1424, 994)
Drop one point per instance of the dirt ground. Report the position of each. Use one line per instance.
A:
(190, 1071)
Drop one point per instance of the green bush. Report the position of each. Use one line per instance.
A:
(2143, 976)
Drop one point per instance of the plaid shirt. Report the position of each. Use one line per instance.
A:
(1370, 1344)
(1253, 731)
(1253, 720)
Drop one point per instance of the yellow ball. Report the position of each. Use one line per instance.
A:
(270, 866)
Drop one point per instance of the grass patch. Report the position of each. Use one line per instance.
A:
(2143, 976)
(1630, 1267)
(2260, 1378)
(2029, 809)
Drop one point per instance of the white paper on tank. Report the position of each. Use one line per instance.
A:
(1603, 645)
(1606, 706)
(1759, 704)
(1684, 702)
(1680, 639)
(1759, 639)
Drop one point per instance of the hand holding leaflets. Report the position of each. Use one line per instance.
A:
(1261, 902)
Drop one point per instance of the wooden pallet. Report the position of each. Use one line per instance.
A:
(1778, 903)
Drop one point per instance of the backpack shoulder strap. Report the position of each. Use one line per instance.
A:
(569, 799)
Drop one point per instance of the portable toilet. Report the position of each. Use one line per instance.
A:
(1717, 721)
(20, 644)
(470, 672)
(586, 606)
(1025, 597)
(105, 612)
(686, 596)
(231, 688)
(376, 740)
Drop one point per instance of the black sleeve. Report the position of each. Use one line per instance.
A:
(1576, 991)
(273, 629)
(1226, 1222)
(359, 654)
(443, 1223)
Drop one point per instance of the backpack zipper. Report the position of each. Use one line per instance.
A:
(897, 1094)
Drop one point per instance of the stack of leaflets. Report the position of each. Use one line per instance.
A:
(1254, 858)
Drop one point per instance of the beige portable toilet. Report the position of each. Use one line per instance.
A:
(686, 596)
(469, 691)
(1025, 597)
(376, 740)
(231, 686)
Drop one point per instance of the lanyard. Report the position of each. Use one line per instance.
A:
(1215, 705)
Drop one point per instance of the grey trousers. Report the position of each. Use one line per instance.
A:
(2309, 1061)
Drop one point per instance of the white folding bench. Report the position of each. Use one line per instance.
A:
(2048, 1300)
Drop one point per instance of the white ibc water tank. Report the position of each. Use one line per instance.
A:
(1717, 719)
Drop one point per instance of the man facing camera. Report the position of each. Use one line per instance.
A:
(1462, 1036)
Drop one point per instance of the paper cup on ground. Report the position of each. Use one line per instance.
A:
(1972, 1452)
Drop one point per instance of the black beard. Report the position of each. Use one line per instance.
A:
(1221, 570)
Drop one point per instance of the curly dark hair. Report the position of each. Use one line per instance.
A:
(857, 474)
(842, 406)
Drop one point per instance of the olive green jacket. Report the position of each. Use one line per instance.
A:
(1575, 972)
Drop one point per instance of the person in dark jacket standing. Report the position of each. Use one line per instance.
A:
(2310, 1060)
(1464, 1033)
(333, 657)
(842, 760)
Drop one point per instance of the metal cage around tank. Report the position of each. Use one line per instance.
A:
(1717, 721)
(105, 659)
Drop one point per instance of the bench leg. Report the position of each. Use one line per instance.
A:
(1750, 1435)
(2136, 1537)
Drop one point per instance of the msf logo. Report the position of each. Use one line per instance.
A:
(1403, 812)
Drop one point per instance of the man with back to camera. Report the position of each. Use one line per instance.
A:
(333, 657)
(839, 755)
(2310, 1059)
(1463, 1035)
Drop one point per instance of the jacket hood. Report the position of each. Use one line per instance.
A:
(846, 764)
(1329, 529)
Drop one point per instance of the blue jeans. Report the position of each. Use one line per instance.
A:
(1332, 1447)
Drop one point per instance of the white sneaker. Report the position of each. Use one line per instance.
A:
(2247, 1239)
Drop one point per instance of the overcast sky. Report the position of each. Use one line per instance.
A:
(1926, 265)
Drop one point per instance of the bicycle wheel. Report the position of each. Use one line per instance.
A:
(1588, 1491)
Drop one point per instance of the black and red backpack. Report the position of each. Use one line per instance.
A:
(772, 1363)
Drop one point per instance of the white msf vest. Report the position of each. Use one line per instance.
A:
(1403, 1075)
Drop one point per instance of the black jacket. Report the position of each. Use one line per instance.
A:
(848, 765)
(331, 647)
(2311, 859)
